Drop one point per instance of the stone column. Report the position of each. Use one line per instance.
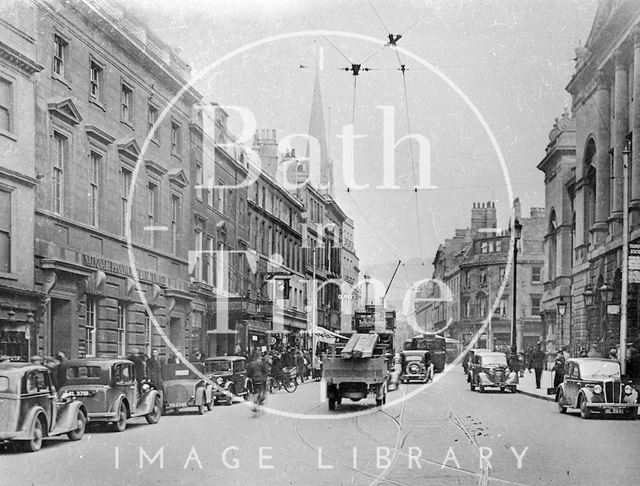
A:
(619, 132)
(603, 143)
(634, 183)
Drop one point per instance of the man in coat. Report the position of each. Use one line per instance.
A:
(537, 363)
(154, 369)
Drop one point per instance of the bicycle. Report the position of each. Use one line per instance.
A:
(284, 380)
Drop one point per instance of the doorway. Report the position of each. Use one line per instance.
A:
(61, 328)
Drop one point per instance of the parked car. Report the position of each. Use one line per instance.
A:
(229, 373)
(416, 366)
(109, 391)
(468, 359)
(595, 385)
(183, 388)
(489, 369)
(30, 408)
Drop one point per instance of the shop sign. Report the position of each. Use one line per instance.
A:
(123, 269)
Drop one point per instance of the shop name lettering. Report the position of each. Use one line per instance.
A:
(120, 269)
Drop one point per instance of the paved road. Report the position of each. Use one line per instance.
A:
(434, 437)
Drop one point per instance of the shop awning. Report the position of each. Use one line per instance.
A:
(325, 335)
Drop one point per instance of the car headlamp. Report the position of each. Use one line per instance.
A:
(597, 389)
(220, 381)
(628, 390)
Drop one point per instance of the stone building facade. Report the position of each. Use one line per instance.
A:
(588, 216)
(20, 303)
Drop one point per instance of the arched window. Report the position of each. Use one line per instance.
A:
(553, 248)
(589, 175)
(481, 301)
(573, 239)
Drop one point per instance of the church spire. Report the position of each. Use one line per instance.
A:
(317, 130)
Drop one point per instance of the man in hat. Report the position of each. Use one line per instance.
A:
(537, 363)
(139, 365)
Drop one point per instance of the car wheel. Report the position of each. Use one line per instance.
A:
(559, 398)
(332, 403)
(156, 412)
(121, 420)
(585, 413)
(82, 425)
(630, 413)
(35, 443)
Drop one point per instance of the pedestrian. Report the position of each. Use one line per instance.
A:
(521, 363)
(139, 365)
(238, 350)
(537, 363)
(299, 360)
(558, 369)
(613, 354)
(583, 352)
(154, 369)
(172, 359)
(317, 367)
(257, 373)
(53, 364)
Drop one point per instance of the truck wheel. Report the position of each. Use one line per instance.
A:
(120, 424)
(35, 443)
(79, 431)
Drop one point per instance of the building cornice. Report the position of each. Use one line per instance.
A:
(22, 62)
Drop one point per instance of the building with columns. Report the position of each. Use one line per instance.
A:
(606, 109)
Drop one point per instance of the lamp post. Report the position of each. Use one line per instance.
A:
(606, 294)
(517, 234)
(589, 296)
(624, 296)
(562, 310)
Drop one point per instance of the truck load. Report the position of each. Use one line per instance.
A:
(357, 370)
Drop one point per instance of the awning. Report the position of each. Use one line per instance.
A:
(325, 335)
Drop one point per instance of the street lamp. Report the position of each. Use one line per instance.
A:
(606, 295)
(588, 297)
(517, 234)
(562, 310)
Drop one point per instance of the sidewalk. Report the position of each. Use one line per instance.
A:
(527, 385)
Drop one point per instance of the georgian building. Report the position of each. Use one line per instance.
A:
(106, 81)
(20, 303)
(472, 271)
(586, 224)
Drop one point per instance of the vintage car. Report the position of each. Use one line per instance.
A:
(31, 410)
(466, 362)
(183, 388)
(595, 385)
(489, 369)
(416, 366)
(109, 391)
(229, 373)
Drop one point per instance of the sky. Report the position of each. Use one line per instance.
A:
(501, 68)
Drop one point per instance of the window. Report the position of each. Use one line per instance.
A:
(466, 308)
(221, 196)
(467, 278)
(198, 265)
(502, 307)
(126, 103)
(147, 333)
(90, 327)
(175, 218)
(125, 180)
(207, 273)
(61, 151)
(5, 231)
(152, 216)
(498, 246)
(152, 118)
(501, 274)
(199, 182)
(536, 273)
(59, 55)
(6, 105)
(175, 139)
(553, 249)
(95, 81)
(94, 188)
(535, 305)
(483, 276)
(484, 247)
(122, 329)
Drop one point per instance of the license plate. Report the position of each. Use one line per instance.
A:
(80, 393)
(176, 405)
(614, 410)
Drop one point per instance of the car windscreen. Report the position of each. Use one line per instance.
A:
(494, 360)
(214, 366)
(4, 384)
(81, 372)
(600, 369)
